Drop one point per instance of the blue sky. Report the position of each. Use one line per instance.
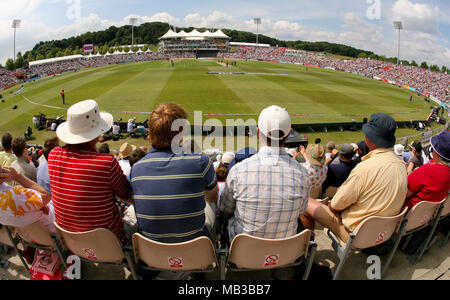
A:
(365, 24)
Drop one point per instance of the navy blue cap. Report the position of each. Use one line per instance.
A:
(381, 130)
(242, 155)
(441, 144)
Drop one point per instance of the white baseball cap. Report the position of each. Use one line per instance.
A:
(227, 158)
(399, 149)
(84, 123)
(274, 119)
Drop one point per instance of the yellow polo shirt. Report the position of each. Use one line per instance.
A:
(376, 187)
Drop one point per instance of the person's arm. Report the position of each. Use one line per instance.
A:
(212, 196)
(348, 193)
(227, 202)
(410, 168)
(120, 184)
(333, 156)
(210, 180)
(409, 194)
(10, 174)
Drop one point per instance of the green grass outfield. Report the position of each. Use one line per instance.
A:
(142, 86)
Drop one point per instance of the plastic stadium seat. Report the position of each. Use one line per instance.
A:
(445, 214)
(97, 246)
(248, 253)
(38, 236)
(10, 239)
(197, 255)
(371, 232)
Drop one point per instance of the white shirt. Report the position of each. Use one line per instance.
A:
(116, 129)
(130, 127)
(126, 167)
(25, 208)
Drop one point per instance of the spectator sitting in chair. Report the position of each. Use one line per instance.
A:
(416, 160)
(265, 194)
(339, 173)
(43, 177)
(26, 203)
(329, 148)
(124, 158)
(93, 187)
(131, 127)
(431, 182)
(136, 156)
(315, 166)
(168, 182)
(376, 187)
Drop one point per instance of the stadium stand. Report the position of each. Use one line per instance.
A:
(107, 248)
(421, 81)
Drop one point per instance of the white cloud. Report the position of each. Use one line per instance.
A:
(17, 8)
(415, 16)
(354, 31)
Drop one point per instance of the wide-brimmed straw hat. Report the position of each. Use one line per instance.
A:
(315, 154)
(126, 150)
(84, 123)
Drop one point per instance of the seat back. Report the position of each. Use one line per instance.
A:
(197, 254)
(446, 210)
(99, 245)
(330, 192)
(36, 234)
(4, 238)
(421, 214)
(248, 252)
(376, 230)
(316, 193)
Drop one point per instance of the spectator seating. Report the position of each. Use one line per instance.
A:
(10, 239)
(196, 256)
(249, 253)
(97, 246)
(444, 212)
(371, 232)
(38, 236)
(426, 138)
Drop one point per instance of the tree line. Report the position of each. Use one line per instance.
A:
(149, 33)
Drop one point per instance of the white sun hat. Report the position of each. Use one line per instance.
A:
(274, 119)
(84, 123)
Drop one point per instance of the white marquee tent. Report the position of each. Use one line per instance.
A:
(194, 35)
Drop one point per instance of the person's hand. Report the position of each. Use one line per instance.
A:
(45, 210)
(7, 174)
(302, 150)
(335, 153)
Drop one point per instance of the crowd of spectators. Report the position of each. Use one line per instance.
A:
(427, 82)
(7, 79)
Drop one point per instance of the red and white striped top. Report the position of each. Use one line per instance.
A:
(84, 185)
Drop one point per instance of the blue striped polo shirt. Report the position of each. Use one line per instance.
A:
(169, 195)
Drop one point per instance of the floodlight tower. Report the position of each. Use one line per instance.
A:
(133, 22)
(398, 25)
(257, 21)
(15, 25)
